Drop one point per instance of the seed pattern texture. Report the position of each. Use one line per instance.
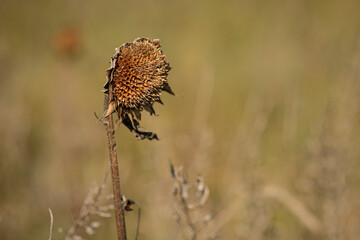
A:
(135, 80)
(139, 76)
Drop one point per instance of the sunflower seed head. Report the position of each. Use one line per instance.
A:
(137, 76)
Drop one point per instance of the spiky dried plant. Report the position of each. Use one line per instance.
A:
(189, 200)
(135, 80)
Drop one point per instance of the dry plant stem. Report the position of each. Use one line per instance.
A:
(51, 224)
(188, 218)
(119, 211)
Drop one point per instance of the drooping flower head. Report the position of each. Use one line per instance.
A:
(136, 78)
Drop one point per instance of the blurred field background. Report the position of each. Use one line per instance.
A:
(267, 110)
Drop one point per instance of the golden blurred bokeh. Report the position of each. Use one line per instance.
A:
(267, 111)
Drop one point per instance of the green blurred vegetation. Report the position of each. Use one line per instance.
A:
(267, 98)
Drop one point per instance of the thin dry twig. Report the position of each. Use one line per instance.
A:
(138, 222)
(190, 198)
(51, 224)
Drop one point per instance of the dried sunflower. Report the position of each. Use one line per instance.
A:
(135, 80)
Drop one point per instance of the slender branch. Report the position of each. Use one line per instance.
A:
(186, 212)
(119, 211)
(138, 222)
(51, 224)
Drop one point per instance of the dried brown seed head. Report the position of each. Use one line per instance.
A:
(139, 74)
(136, 78)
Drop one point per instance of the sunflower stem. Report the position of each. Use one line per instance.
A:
(119, 211)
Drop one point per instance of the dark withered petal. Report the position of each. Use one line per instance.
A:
(159, 101)
(149, 108)
(172, 170)
(167, 88)
(137, 114)
(138, 132)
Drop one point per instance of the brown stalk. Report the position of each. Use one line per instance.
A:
(119, 211)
